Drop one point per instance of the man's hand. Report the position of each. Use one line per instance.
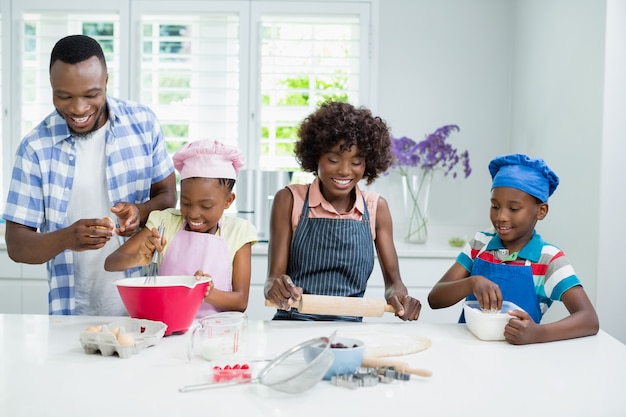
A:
(90, 234)
(129, 219)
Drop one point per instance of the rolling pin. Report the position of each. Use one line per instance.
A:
(371, 362)
(339, 306)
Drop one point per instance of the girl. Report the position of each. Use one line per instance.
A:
(199, 239)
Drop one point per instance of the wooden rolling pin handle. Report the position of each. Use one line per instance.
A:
(268, 303)
(339, 306)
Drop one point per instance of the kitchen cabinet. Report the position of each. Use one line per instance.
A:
(23, 287)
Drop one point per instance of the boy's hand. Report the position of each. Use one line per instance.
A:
(521, 329)
(487, 293)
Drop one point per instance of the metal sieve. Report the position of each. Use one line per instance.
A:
(289, 372)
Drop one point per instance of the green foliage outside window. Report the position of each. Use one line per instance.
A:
(300, 95)
(298, 92)
(284, 149)
(286, 132)
(175, 131)
(173, 145)
(168, 97)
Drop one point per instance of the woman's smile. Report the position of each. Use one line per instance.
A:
(342, 183)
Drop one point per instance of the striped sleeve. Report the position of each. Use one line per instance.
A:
(472, 249)
(559, 274)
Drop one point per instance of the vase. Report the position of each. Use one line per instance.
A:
(415, 192)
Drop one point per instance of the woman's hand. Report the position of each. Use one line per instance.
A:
(282, 292)
(407, 307)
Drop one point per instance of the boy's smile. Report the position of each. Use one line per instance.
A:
(514, 214)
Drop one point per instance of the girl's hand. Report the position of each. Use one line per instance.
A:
(199, 275)
(153, 242)
(521, 329)
(487, 293)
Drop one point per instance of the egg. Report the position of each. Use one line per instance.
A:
(109, 221)
(126, 339)
(116, 332)
(93, 329)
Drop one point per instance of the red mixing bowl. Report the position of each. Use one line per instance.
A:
(173, 300)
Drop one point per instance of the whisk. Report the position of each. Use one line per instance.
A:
(153, 268)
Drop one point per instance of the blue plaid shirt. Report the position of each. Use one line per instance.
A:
(42, 178)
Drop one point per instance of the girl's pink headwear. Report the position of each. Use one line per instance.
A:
(208, 159)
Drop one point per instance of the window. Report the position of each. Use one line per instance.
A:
(305, 60)
(242, 72)
(39, 32)
(190, 68)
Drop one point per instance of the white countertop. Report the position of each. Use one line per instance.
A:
(45, 372)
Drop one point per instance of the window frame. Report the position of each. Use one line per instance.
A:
(130, 12)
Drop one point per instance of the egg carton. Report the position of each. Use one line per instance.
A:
(145, 333)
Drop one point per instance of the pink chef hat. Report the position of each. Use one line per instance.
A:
(208, 159)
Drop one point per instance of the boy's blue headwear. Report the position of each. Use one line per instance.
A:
(519, 171)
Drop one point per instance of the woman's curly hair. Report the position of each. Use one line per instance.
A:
(334, 122)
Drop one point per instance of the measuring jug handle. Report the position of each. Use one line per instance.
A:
(192, 337)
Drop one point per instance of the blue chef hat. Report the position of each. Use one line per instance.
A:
(519, 171)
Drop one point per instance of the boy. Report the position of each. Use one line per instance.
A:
(513, 263)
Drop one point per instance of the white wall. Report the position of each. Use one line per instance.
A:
(611, 288)
(557, 115)
(517, 76)
(447, 62)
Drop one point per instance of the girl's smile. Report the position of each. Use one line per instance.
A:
(202, 203)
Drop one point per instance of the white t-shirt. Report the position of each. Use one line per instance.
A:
(96, 295)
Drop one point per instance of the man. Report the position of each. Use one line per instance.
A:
(94, 157)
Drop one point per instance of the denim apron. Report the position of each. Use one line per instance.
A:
(330, 257)
(515, 281)
(190, 251)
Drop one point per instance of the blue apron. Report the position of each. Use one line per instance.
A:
(515, 281)
(329, 257)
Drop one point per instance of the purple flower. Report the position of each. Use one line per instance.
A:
(431, 154)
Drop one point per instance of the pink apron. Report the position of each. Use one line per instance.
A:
(191, 251)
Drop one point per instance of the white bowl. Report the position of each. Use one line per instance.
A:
(485, 325)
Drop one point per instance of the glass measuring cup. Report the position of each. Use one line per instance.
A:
(217, 336)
